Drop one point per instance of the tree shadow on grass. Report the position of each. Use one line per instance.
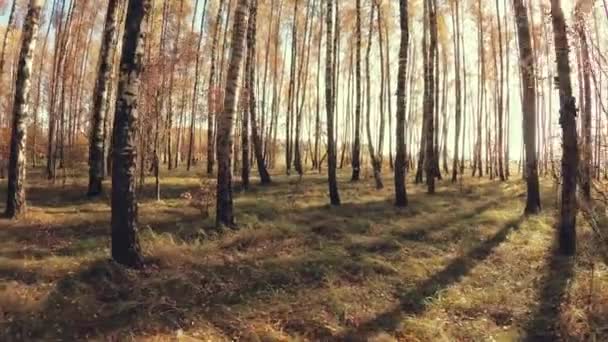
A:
(70, 196)
(106, 300)
(22, 242)
(544, 325)
(416, 300)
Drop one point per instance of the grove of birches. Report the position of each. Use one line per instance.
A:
(304, 170)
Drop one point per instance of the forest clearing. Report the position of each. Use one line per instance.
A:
(461, 265)
(303, 170)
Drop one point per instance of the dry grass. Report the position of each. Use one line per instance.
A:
(462, 265)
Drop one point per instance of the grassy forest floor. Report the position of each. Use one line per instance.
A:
(462, 265)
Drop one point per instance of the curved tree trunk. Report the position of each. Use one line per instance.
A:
(224, 209)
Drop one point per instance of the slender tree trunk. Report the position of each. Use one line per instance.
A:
(444, 114)
(457, 117)
(170, 109)
(301, 92)
(375, 161)
(255, 136)
(194, 103)
(587, 154)
(96, 143)
(329, 103)
(213, 93)
(263, 106)
(465, 92)
(383, 72)
(225, 214)
(507, 105)
(291, 91)
(429, 97)
(356, 155)
(52, 128)
(567, 222)
(482, 91)
(39, 86)
(243, 108)
(400, 157)
(316, 163)
(500, 147)
(527, 67)
(389, 94)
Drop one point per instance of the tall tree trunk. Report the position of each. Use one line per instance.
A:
(400, 157)
(567, 222)
(375, 161)
(482, 90)
(39, 86)
(507, 161)
(96, 143)
(263, 106)
(454, 6)
(465, 92)
(255, 136)
(194, 103)
(213, 93)
(383, 71)
(527, 67)
(389, 94)
(15, 202)
(429, 97)
(291, 92)
(170, 109)
(334, 196)
(243, 109)
(224, 209)
(500, 148)
(356, 155)
(587, 154)
(125, 242)
(316, 163)
(52, 127)
(444, 114)
(301, 91)
(9, 28)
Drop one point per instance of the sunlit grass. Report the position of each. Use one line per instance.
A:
(460, 265)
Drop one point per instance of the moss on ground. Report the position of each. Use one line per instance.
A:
(462, 265)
